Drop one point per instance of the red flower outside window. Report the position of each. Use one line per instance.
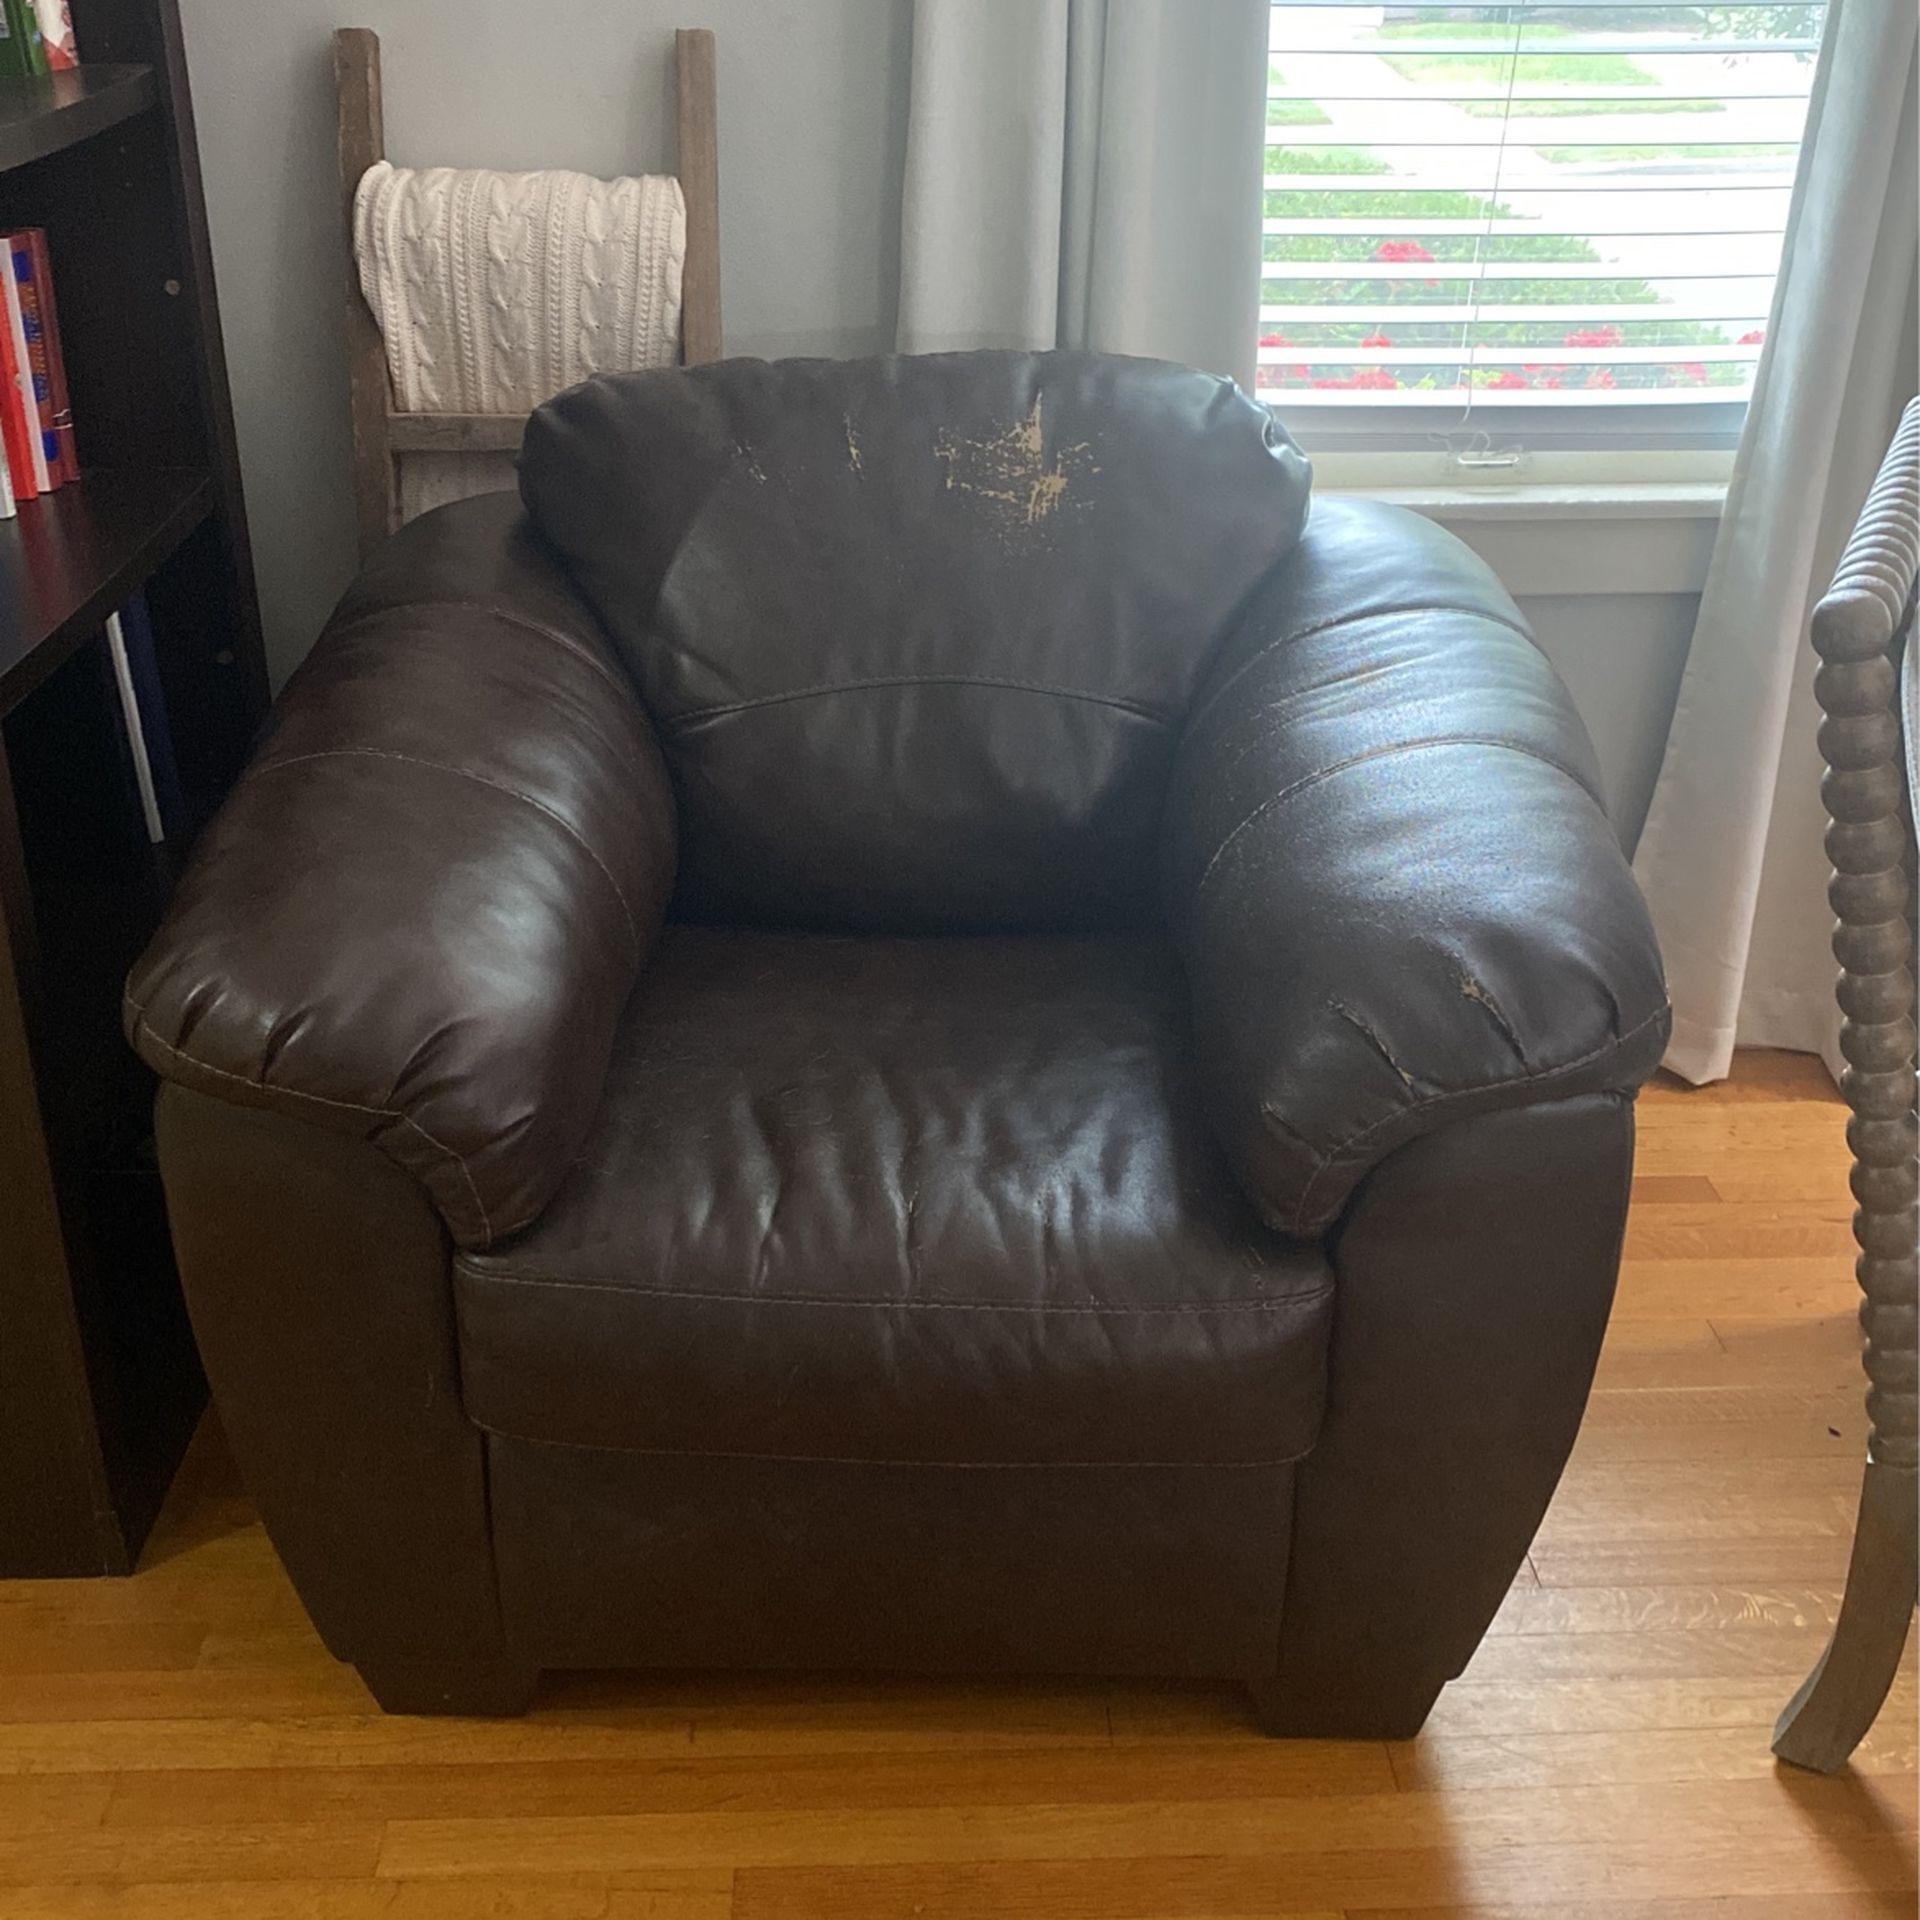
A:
(1403, 252)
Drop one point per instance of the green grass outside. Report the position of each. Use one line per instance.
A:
(1324, 160)
(1399, 215)
(1574, 109)
(1684, 150)
(1573, 67)
(1290, 113)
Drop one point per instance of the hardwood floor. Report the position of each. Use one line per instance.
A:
(179, 1745)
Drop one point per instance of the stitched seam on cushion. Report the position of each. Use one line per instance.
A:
(867, 1460)
(1349, 1147)
(1157, 716)
(145, 1028)
(1307, 1296)
(270, 765)
(1351, 620)
(1388, 752)
(578, 648)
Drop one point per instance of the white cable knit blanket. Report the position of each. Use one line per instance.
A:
(495, 291)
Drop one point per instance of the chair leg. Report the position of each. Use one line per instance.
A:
(1840, 1698)
(1369, 1706)
(476, 1690)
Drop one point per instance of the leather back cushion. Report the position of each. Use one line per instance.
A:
(917, 633)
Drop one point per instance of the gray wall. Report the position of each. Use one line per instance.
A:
(1621, 655)
(812, 128)
(1612, 591)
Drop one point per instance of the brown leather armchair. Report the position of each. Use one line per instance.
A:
(910, 1024)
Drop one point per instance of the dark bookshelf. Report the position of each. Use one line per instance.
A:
(73, 556)
(39, 117)
(99, 1384)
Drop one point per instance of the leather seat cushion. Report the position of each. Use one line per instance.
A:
(914, 1200)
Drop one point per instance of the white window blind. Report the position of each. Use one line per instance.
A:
(1562, 209)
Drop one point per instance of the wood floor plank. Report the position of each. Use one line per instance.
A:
(1493, 1818)
(188, 1692)
(367, 1739)
(1759, 1073)
(1441, 1761)
(1539, 1881)
(1624, 1705)
(1759, 1906)
(1763, 1421)
(662, 1896)
(1520, 1659)
(52, 1647)
(745, 1785)
(30, 1806)
(1613, 1610)
(1715, 1231)
(1811, 1560)
(1773, 1287)
(1670, 1189)
(1661, 1353)
(299, 1850)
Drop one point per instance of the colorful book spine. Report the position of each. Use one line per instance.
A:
(23, 375)
(15, 62)
(36, 238)
(23, 23)
(15, 436)
(39, 365)
(56, 34)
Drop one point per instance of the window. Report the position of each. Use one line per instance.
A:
(1549, 225)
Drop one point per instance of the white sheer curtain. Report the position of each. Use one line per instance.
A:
(1731, 857)
(1086, 173)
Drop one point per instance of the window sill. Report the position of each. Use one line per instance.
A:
(1577, 539)
(1685, 500)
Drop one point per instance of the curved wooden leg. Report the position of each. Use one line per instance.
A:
(1858, 634)
(1831, 1713)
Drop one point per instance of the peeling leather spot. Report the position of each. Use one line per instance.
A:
(854, 462)
(1471, 989)
(1365, 1029)
(1012, 476)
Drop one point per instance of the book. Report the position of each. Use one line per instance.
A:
(16, 63)
(150, 701)
(23, 23)
(56, 34)
(16, 439)
(26, 280)
(136, 732)
(23, 375)
(56, 354)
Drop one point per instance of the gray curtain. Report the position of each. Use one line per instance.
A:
(1086, 173)
(1731, 858)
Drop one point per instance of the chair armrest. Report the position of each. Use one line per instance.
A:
(417, 917)
(1389, 869)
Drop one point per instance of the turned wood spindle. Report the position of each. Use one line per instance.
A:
(1861, 630)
